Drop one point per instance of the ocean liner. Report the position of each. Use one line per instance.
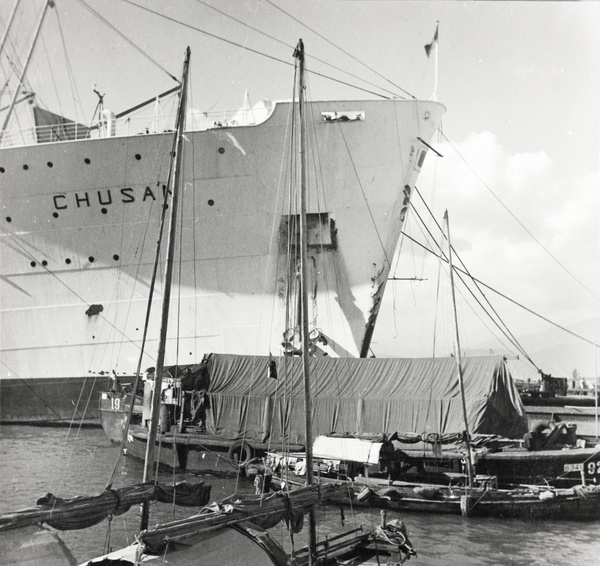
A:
(81, 210)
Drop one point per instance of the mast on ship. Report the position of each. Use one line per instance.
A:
(8, 25)
(174, 190)
(47, 4)
(312, 535)
(459, 359)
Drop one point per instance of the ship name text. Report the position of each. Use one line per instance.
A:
(106, 197)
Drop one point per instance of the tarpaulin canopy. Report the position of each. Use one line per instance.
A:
(357, 395)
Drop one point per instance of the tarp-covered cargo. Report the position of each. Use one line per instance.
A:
(357, 395)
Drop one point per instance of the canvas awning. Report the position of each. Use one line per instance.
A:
(359, 395)
(350, 449)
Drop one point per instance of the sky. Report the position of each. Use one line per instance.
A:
(520, 172)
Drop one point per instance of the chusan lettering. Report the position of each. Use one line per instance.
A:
(106, 197)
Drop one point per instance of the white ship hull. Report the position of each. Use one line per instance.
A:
(79, 227)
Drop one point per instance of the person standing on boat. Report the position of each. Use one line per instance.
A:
(148, 375)
(147, 382)
(264, 475)
(200, 404)
(115, 384)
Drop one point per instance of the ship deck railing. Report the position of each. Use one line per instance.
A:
(67, 130)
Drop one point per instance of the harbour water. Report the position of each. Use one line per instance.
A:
(69, 462)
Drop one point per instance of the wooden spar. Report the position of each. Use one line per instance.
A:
(312, 534)
(8, 25)
(459, 359)
(145, 332)
(160, 359)
(48, 4)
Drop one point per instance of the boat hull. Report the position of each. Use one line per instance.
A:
(192, 451)
(56, 401)
(560, 468)
(518, 504)
(579, 503)
(227, 545)
(114, 411)
(584, 417)
(80, 219)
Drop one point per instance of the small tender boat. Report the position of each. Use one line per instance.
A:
(358, 462)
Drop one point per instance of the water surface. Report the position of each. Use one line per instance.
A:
(69, 462)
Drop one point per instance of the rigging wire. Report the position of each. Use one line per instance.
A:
(443, 256)
(362, 190)
(72, 82)
(518, 221)
(516, 303)
(142, 346)
(8, 25)
(321, 204)
(330, 268)
(437, 293)
(3, 41)
(29, 255)
(505, 330)
(342, 50)
(22, 71)
(313, 57)
(125, 38)
(17, 55)
(285, 181)
(498, 323)
(52, 75)
(251, 50)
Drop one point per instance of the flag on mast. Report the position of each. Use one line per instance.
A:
(434, 41)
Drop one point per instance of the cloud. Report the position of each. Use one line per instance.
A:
(518, 226)
(481, 184)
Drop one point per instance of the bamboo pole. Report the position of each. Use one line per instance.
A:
(312, 536)
(48, 4)
(459, 359)
(174, 188)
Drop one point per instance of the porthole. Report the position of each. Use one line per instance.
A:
(103, 210)
(33, 264)
(211, 202)
(50, 164)
(55, 214)
(138, 156)
(68, 261)
(221, 150)
(8, 219)
(25, 167)
(2, 169)
(91, 259)
(87, 161)
(116, 257)
(44, 263)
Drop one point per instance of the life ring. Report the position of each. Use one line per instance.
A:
(240, 452)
